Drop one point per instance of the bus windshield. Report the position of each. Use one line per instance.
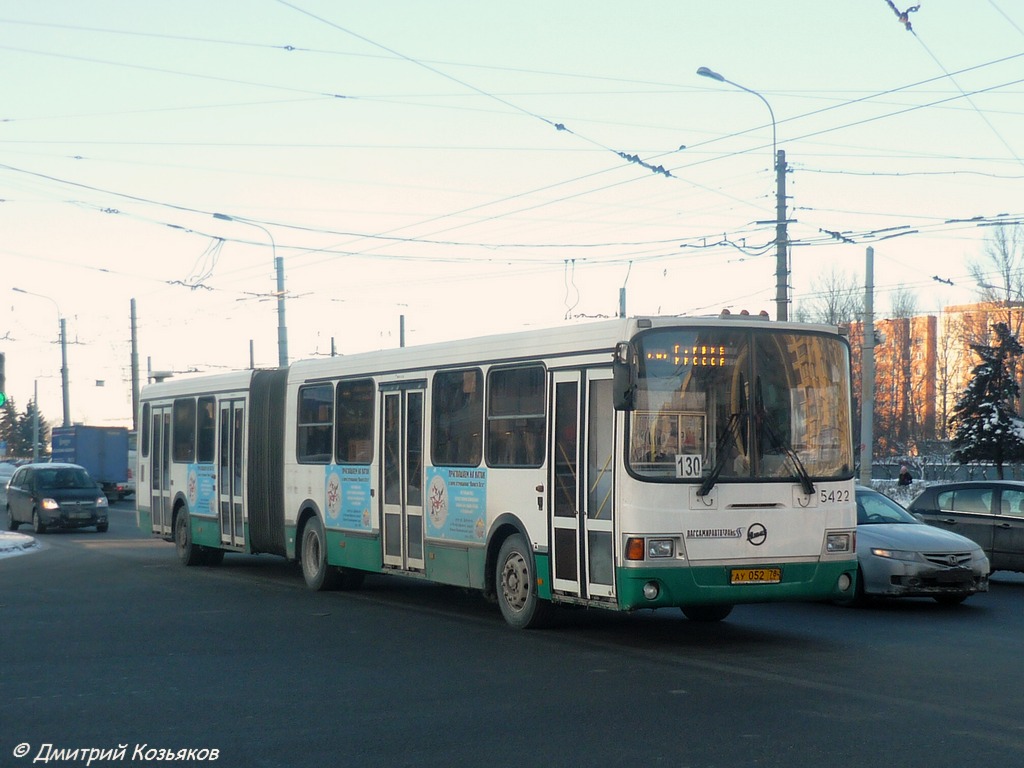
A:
(719, 404)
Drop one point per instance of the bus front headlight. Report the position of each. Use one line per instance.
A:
(838, 542)
(660, 548)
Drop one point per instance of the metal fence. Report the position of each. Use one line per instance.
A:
(945, 472)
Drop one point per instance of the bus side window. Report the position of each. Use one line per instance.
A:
(206, 430)
(515, 417)
(457, 418)
(184, 442)
(354, 420)
(315, 423)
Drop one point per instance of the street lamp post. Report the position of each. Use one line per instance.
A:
(63, 354)
(282, 330)
(781, 233)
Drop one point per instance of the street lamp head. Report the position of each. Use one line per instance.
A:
(222, 217)
(705, 72)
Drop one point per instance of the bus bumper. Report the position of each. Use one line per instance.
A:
(711, 585)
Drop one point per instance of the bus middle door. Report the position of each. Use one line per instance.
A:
(230, 494)
(402, 482)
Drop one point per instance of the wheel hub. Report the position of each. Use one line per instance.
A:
(515, 582)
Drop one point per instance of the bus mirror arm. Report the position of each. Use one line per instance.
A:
(624, 377)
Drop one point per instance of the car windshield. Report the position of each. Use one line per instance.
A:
(63, 477)
(874, 508)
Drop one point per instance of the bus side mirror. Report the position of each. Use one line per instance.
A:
(624, 375)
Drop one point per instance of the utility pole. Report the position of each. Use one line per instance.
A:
(867, 370)
(64, 370)
(135, 370)
(781, 240)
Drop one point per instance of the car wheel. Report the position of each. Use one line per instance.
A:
(102, 527)
(949, 599)
(12, 524)
(37, 524)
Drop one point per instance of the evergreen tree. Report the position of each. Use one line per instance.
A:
(984, 420)
(16, 430)
(26, 429)
(9, 427)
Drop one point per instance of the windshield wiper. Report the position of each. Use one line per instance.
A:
(779, 444)
(720, 453)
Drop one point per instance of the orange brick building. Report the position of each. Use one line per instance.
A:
(922, 365)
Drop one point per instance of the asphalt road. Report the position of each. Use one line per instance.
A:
(107, 641)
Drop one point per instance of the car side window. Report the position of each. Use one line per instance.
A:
(1012, 503)
(974, 500)
(944, 500)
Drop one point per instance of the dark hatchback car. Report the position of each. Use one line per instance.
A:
(990, 512)
(55, 496)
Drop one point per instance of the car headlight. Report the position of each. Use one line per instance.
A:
(101, 501)
(893, 554)
(49, 504)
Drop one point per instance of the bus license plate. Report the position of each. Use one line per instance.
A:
(755, 576)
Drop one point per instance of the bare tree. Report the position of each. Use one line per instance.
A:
(950, 367)
(836, 298)
(902, 303)
(1000, 273)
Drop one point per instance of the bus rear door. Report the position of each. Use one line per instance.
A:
(160, 470)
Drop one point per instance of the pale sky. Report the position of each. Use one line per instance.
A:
(474, 167)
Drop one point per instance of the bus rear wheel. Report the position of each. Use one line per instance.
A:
(188, 553)
(318, 574)
(515, 580)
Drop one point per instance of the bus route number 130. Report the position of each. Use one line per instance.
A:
(688, 465)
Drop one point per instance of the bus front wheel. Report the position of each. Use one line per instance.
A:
(515, 579)
(706, 612)
(315, 570)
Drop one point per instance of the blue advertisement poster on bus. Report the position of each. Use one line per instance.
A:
(456, 503)
(347, 493)
(202, 490)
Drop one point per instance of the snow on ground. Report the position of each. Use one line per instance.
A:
(12, 544)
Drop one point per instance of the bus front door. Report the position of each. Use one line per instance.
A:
(160, 471)
(229, 473)
(582, 473)
(402, 482)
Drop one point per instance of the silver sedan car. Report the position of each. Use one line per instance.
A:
(899, 556)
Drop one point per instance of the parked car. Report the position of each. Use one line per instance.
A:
(899, 556)
(55, 495)
(6, 472)
(990, 512)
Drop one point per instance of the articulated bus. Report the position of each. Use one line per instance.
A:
(652, 462)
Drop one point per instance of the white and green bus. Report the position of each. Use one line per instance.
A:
(651, 462)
